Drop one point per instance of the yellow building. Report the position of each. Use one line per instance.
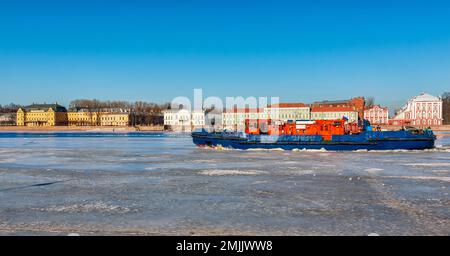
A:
(83, 118)
(56, 115)
(42, 115)
(114, 119)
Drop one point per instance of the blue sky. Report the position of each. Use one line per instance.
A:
(300, 51)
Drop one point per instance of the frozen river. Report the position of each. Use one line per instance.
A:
(150, 183)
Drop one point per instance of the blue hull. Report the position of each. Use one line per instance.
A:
(376, 140)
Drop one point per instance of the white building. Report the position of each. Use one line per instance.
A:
(234, 119)
(183, 119)
(423, 110)
(288, 111)
(334, 113)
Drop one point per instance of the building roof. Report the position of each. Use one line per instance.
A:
(243, 110)
(332, 102)
(175, 111)
(55, 107)
(376, 106)
(425, 97)
(422, 97)
(288, 105)
(332, 109)
(99, 110)
(335, 102)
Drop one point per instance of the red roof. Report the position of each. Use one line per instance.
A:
(331, 109)
(243, 110)
(288, 105)
(377, 106)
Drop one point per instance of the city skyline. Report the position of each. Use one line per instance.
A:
(392, 110)
(299, 52)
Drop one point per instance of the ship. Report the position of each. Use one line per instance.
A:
(333, 135)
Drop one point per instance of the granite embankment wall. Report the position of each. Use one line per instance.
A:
(156, 128)
(80, 129)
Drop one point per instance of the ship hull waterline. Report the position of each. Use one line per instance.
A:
(419, 143)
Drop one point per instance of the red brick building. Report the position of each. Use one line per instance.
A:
(356, 104)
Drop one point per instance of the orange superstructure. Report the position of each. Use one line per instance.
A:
(325, 128)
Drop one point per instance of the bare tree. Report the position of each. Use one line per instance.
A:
(446, 107)
(141, 113)
(10, 108)
(8, 114)
(370, 102)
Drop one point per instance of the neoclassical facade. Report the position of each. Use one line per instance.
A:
(183, 120)
(114, 119)
(57, 115)
(334, 113)
(377, 115)
(42, 115)
(287, 111)
(421, 110)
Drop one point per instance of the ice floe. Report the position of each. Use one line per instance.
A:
(373, 170)
(437, 178)
(87, 207)
(429, 164)
(230, 172)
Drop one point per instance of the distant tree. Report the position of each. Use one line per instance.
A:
(446, 107)
(165, 105)
(370, 102)
(141, 112)
(10, 108)
(8, 114)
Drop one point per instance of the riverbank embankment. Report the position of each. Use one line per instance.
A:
(81, 129)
